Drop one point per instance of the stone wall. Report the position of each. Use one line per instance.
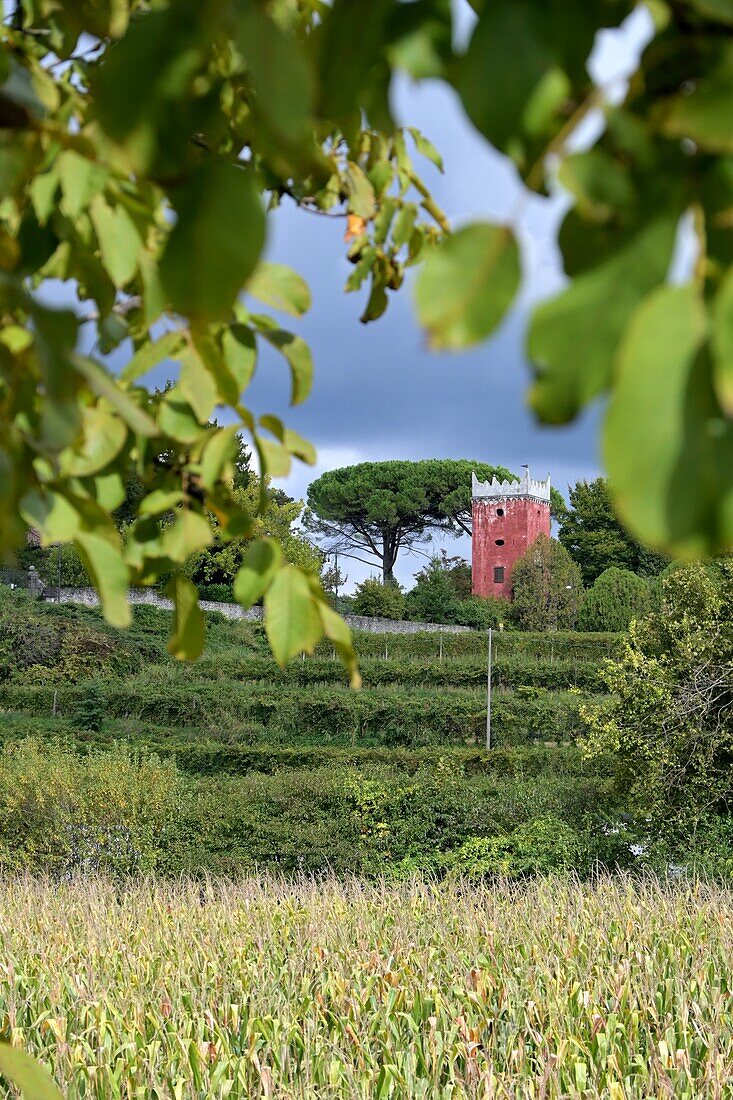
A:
(89, 598)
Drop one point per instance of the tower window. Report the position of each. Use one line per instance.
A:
(500, 511)
(500, 542)
(498, 574)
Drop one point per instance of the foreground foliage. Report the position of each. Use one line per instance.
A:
(618, 990)
(134, 135)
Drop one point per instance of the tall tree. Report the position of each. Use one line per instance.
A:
(667, 721)
(374, 510)
(595, 539)
(546, 587)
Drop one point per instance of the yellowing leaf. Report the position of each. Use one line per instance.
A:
(355, 227)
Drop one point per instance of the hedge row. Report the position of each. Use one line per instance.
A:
(507, 671)
(568, 645)
(212, 757)
(93, 811)
(252, 713)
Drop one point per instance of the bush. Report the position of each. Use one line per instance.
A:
(546, 587)
(110, 812)
(385, 601)
(217, 593)
(481, 612)
(123, 813)
(541, 845)
(90, 711)
(616, 597)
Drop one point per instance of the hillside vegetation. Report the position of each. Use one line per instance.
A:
(264, 767)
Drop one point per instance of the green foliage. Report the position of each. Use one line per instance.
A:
(375, 509)
(376, 598)
(90, 712)
(442, 594)
(221, 562)
(135, 136)
(595, 539)
(110, 812)
(667, 724)
(616, 597)
(541, 845)
(546, 587)
(118, 812)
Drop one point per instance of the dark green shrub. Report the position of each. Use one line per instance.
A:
(89, 712)
(616, 597)
(378, 600)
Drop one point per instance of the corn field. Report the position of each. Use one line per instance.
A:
(269, 988)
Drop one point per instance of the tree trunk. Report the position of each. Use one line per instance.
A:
(390, 546)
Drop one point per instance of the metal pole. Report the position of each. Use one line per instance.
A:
(488, 697)
(336, 559)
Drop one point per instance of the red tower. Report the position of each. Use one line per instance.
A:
(507, 518)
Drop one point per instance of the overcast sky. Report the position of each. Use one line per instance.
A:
(378, 392)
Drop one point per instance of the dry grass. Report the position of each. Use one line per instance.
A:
(268, 989)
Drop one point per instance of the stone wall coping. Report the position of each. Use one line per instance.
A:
(149, 597)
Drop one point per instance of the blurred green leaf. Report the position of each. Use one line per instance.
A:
(34, 1082)
(216, 242)
(240, 353)
(150, 354)
(573, 337)
(467, 285)
(280, 287)
(197, 384)
(104, 436)
(296, 352)
(81, 179)
(189, 532)
(188, 629)
(360, 191)
(722, 343)
(668, 449)
(701, 111)
(260, 565)
(292, 619)
(101, 553)
(101, 383)
(119, 240)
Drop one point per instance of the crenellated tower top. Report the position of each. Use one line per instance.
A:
(501, 490)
